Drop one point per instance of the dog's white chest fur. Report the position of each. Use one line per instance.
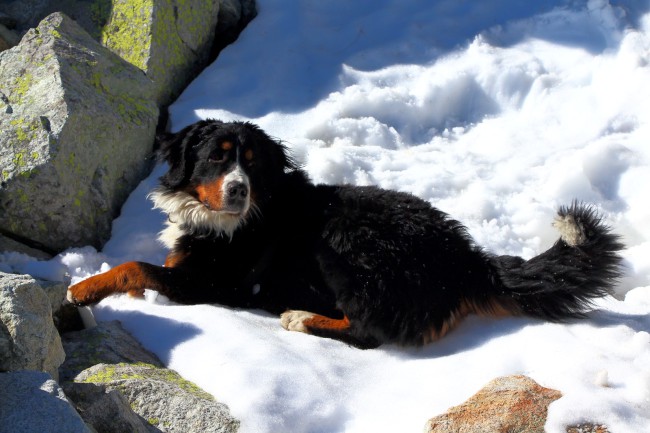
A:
(188, 215)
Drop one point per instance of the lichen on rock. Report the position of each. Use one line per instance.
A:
(169, 40)
(75, 139)
(162, 397)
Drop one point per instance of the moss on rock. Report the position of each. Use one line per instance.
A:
(162, 397)
(79, 123)
(129, 30)
(169, 40)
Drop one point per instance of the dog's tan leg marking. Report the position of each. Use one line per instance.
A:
(125, 278)
(293, 320)
(304, 321)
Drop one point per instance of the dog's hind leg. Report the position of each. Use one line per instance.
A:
(322, 326)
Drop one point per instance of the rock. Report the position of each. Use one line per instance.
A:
(7, 244)
(64, 314)
(108, 373)
(27, 14)
(7, 21)
(77, 129)
(56, 292)
(32, 402)
(23, 12)
(108, 411)
(106, 343)
(234, 16)
(8, 38)
(512, 404)
(28, 338)
(161, 397)
(169, 40)
(68, 319)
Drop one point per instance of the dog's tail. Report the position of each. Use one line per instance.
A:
(562, 282)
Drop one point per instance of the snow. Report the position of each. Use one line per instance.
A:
(497, 112)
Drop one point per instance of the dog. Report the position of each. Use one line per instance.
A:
(247, 229)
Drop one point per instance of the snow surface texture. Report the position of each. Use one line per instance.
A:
(497, 112)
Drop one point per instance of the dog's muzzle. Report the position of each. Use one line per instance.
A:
(236, 195)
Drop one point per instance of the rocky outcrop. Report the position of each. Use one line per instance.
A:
(77, 129)
(91, 15)
(170, 40)
(28, 338)
(169, 43)
(234, 16)
(512, 404)
(32, 402)
(107, 411)
(160, 396)
(117, 385)
(8, 244)
(106, 343)
(8, 37)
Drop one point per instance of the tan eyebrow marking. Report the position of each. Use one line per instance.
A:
(226, 145)
(248, 154)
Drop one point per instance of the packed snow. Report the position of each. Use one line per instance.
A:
(496, 112)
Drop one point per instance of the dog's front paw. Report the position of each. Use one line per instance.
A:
(126, 278)
(82, 294)
(294, 320)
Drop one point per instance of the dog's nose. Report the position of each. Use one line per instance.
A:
(237, 190)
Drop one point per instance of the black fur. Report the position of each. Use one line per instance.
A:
(399, 269)
(560, 283)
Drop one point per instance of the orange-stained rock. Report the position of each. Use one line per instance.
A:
(511, 404)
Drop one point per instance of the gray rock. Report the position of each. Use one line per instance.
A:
(169, 40)
(68, 319)
(105, 363)
(160, 396)
(8, 38)
(7, 244)
(56, 292)
(107, 411)
(7, 21)
(77, 128)
(234, 16)
(32, 402)
(28, 338)
(106, 343)
(23, 12)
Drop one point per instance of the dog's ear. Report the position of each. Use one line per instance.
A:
(278, 152)
(172, 149)
(282, 156)
(175, 148)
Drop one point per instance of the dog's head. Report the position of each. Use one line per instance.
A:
(220, 173)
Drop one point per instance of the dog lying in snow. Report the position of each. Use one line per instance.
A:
(363, 265)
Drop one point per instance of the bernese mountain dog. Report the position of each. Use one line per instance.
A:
(360, 264)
